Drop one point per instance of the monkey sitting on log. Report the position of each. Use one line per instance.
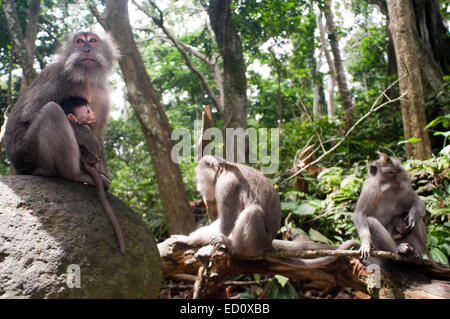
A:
(248, 208)
(249, 213)
(81, 117)
(380, 217)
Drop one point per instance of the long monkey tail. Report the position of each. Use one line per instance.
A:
(102, 197)
(433, 263)
(299, 263)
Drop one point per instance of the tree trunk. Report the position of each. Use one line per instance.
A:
(431, 37)
(408, 68)
(433, 32)
(332, 70)
(234, 78)
(319, 104)
(23, 44)
(153, 119)
(340, 74)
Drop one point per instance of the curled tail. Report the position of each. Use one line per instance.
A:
(299, 263)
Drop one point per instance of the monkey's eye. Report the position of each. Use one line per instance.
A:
(80, 40)
(92, 40)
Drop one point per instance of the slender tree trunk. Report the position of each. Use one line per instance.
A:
(153, 119)
(23, 45)
(413, 108)
(279, 95)
(319, 107)
(332, 70)
(234, 78)
(340, 74)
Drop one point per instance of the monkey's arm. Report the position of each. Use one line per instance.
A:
(228, 201)
(87, 140)
(360, 219)
(363, 231)
(417, 210)
(48, 86)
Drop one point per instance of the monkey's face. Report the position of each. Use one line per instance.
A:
(87, 56)
(84, 114)
(87, 45)
(391, 177)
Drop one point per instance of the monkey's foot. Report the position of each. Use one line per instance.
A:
(358, 267)
(404, 249)
(179, 239)
(206, 251)
(221, 239)
(216, 242)
(364, 250)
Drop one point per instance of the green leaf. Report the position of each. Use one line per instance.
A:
(316, 236)
(289, 206)
(411, 140)
(305, 209)
(446, 247)
(439, 256)
(281, 280)
(446, 134)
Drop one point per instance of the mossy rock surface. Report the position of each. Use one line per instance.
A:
(52, 229)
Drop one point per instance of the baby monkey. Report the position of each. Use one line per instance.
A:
(81, 116)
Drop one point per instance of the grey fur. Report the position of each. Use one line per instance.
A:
(39, 139)
(248, 207)
(385, 197)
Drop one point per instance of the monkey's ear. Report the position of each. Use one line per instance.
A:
(72, 118)
(373, 170)
(385, 158)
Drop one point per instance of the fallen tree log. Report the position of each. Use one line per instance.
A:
(401, 278)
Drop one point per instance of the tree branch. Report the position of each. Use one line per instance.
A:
(21, 49)
(159, 21)
(373, 109)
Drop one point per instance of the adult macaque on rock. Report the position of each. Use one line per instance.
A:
(85, 60)
(389, 215)
(82, 117)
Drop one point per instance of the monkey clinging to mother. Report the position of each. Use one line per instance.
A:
(39, 139)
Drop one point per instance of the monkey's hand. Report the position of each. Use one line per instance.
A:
(404, 249)
(365, 249)
(411, 219)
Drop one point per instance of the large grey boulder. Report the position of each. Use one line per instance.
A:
(50, 228)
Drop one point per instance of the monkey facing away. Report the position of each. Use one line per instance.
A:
(380, 216)
(248, 208)
(81, 117)
(85, 60)
(249, 212)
